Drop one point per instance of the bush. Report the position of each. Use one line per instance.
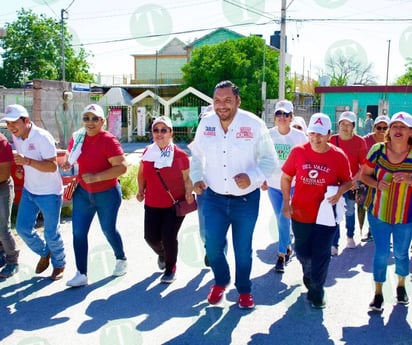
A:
(128, 182)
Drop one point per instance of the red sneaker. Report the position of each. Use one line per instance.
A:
(215, 294)
(246, 301)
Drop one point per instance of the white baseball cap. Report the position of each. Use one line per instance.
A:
(163, 119)
(403, 117)
(319, 123)
(95, 109)
(382, 118)
(349, 116)
(285, 106)
(14, 112)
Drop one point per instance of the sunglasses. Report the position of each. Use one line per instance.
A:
(91, 119)
(161, 130)
(281, 113)
(379, 128)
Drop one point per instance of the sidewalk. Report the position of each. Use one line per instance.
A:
(136, 309)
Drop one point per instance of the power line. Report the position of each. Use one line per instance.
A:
(297, 20)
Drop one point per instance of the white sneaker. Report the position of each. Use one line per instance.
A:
(120, 269)
(334, 251)
(78, 280)
(351, 243)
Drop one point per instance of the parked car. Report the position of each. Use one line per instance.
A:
(17, 172)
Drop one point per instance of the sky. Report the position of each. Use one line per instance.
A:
(377, 31)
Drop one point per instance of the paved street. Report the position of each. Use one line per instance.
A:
(136, 309)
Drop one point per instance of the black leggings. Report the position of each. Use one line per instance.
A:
(161, 226)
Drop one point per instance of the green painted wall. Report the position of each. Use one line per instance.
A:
(333, 104)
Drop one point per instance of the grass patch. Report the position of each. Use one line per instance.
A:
(128, 182)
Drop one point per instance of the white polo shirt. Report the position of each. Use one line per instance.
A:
(39, 145)
(218, 156)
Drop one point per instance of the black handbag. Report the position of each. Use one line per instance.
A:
(182, 207)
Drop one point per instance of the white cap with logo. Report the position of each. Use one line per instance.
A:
(403, 117)
(94, 109)
(319, 123)
(163, 119)
(285, 106)
(381, 118)
(349, 116)
(14, 112)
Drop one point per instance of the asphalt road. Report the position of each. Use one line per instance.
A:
(138, 309)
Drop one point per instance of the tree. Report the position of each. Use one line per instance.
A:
(240, 61)
(348, 70)
(406, 79)
(32, 50)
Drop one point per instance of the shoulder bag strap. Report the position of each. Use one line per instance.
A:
(165, 185)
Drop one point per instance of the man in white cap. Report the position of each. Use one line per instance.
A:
(42, 191)
(355, 148)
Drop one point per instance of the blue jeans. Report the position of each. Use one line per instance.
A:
(276, 199)
(349, 220)
(401, 237)
(50, 206)
(312, 248)
(201, 217)
(85, 205)
(241, 213)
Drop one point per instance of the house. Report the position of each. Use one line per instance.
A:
(378, 100)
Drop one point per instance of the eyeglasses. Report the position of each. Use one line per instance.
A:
(161, 130)
(379, 128)
(298, 127)
(281, 113)
(91, 119)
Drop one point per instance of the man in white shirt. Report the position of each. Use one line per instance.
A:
(232, 154)
(42, 191)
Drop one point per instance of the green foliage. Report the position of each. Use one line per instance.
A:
(128, 182)
(240, 61)
(32, 50)
(406, 79)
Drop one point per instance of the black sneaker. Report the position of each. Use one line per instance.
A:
(280, 264)
(368, 238)
(11, 269)
(318, 303)
(401, 295)
(376, 304)
(288, 256)
(2, 260)
(207, 263)
(161, 263)
(168, 278)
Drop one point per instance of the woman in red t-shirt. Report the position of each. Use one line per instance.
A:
(101, 161)
(317, 167)
(164, 168)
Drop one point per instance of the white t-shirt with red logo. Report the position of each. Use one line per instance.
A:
(39, 145)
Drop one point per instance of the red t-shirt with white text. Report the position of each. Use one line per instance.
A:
(314, 172)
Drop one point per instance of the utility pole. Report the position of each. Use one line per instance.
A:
(387, 62)
(282, 69)
(63, 18)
